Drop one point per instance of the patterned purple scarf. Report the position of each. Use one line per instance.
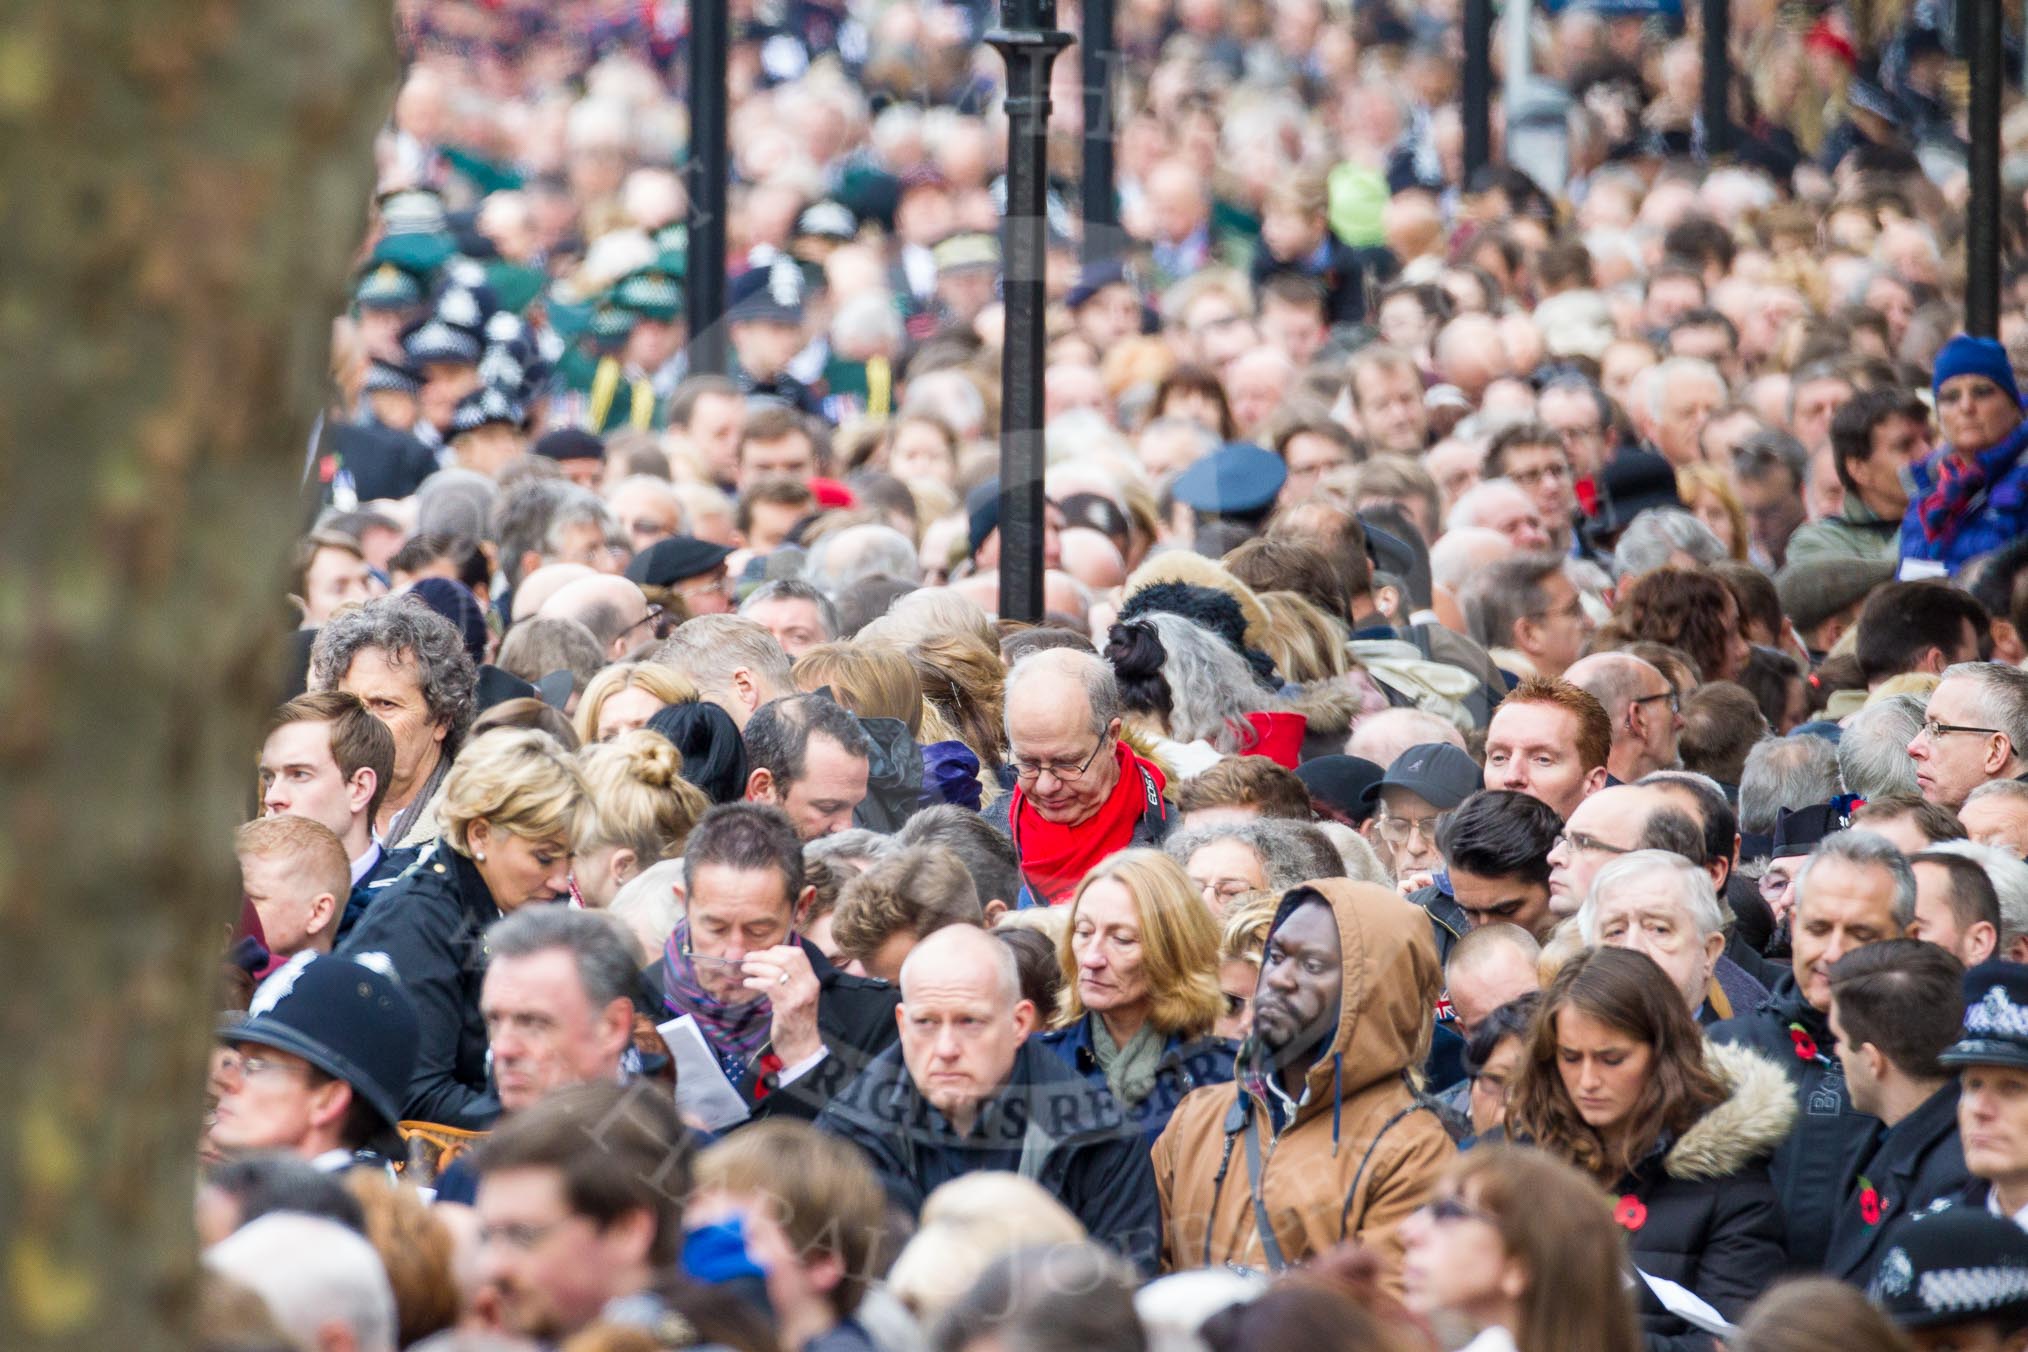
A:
(736, 1032)
(1957, 484)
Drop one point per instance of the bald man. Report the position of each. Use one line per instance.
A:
(967, 1090)
(1489, 966)
(538, 586)
(1610, 823)
(1642, 706)
(614, 609)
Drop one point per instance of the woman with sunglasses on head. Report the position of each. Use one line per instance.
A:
(1618, 1081)
(1141, 993)
(1517, 1252)
(1970, 495)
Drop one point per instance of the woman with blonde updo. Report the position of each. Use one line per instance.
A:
(641, 810)
(625, 696)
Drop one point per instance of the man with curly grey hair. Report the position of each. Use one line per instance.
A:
(408, 665)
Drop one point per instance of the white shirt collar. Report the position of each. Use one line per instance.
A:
(2019, 1218)
(363, 865)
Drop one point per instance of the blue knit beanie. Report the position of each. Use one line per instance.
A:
(1968, 356)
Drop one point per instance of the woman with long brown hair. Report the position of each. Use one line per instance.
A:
(1618, 1081)
(1517, 1250)
(1684, 608)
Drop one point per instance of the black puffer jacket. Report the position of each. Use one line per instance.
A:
(430, 924)
(1046, 1124)
(1811, 1166)
(1701, 1211)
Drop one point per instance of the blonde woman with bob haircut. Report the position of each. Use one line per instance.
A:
(513, 810)
(1140, 987)
(640, 812)
(1517, 1251)
(625, 695)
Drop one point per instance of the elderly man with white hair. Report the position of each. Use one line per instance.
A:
(322, 1282)
(1677, 397)
(1661, 904)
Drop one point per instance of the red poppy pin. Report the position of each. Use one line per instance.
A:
(1805, 1045)
(1870, 1207)
(327, 468)
(1631, 1212)
(768, 1067)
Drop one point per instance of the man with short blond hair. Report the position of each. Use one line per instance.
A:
(294, 873)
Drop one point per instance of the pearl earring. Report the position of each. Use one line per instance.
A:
(480, 855)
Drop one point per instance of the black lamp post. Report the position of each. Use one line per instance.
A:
(1717, 79)
(1028, 40)
(1477, 94)
(1983, 51)
(1096, 56)
(710, 168)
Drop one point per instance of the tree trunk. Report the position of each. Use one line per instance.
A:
(182, 185)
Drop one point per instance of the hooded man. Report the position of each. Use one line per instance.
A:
(1319, 1139)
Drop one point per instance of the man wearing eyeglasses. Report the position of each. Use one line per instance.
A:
(614, 609)
(1646, 712)
(1531, 456)
(1972, 732)
(1080, 792)
(1421, 787)
(319, 1065)
(787, 1028)
(1610, 823)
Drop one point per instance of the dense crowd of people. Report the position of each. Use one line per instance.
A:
(1511, 833)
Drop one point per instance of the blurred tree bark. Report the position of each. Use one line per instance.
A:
(182, 188)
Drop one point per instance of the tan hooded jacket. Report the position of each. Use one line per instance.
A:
(1359, 1155)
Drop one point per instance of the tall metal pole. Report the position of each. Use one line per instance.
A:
(1982, 220)
(1717, 79)
(1478, 91)
(710, 168)
(1097, 57)
(1514, 21)
(1028, 41)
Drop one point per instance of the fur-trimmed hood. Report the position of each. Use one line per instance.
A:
(1330, 705)
(1746, 1127)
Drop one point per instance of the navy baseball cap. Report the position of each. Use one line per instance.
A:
(1436, 772)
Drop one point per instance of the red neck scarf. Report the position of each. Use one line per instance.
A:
(1055, 857)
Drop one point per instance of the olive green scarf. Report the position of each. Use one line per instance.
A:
(1130, 1070)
